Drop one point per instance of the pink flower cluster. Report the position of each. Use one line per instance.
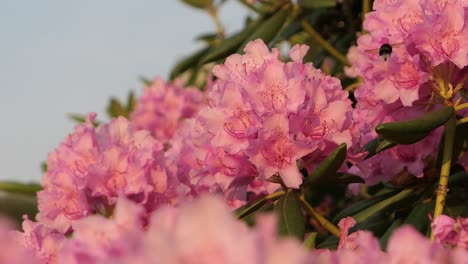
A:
(202, 231)
(406, 82)
(405, 245)
(452, 232)
(401, 159)
(264, 115)
(205, 231)
(409, 27)
(94, 166)
(163, 105)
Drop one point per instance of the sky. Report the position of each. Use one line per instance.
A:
(63, 56)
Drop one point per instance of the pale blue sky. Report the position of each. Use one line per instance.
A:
(63, 56)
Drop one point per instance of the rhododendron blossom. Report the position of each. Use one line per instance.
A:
(163, 105)
(93, 166)
(452, 232)
(13, 247)
(417, 58)
(271, 113)
(202, 231)
(411, 159)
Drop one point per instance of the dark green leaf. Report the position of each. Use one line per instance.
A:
(329, 166)
(229, 45)
(208, 38)
(418, 217)
(378, 223)
(458, 179)
(17, 187)
(384, 240)
(291, 220)
(386, 204)
(360, 206)
(43, 166)
(146, 81)
(268, 29)
(347, 178)
(131, 101)
(198, 3)
(411, 131)
(309, 242)
(317, 3)
(187, 63)
(377, 145)
(252, 206)
(81, 119)
(15, 206)
(115, 108)
(331, 242)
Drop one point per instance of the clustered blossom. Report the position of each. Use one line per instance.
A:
(162, 106)
(405, 245)
(417, 56)
(264, 115)
(401, 159)
(94, 166)
(422, 70)
(14, 251)
(205, 231)
(201, 231)
(452, 232)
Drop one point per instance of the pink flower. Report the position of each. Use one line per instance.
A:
(406, 245)
(361, 242)
(14, 249)
(162, 106)
(414, 66)
(100, 240)
(264, 115)
(94, 166)
(449, 231)
(385, 165)
(45, 242)
(205, 231)
(275, 152)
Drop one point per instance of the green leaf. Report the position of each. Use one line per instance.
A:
(317, 3)
(411, 131)
(43, 167)
(229, 45)
(347, 178)
(198, 3)
(146, 81)
(17, 187)
(15, 205)
(329, 166)
(386, 204)
(131, 101)
(253, 206)
(187, 63)
(377, 145)
(360, 206)
(309, 242)
(457, 179)
(268, 29)
(384, 240)
(418, 217)
(115, 108)
(81, 119)
(291, 220)
(208, 38)
(331, 242)
(378, 223)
